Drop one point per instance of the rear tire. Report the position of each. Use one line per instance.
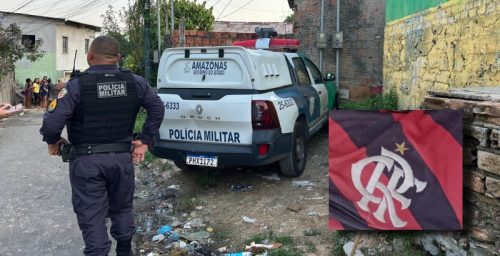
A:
(294, 163)
(185, 167)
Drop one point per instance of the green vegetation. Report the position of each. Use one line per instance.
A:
(312, 232)
(387, 101)
(339, 239)
(139, 122)
(187, 203)
(206, 180)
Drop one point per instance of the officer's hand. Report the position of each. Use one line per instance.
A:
(4, 110)
(139, 152)
(54, 148)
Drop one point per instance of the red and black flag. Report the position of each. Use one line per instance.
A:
(395, 170)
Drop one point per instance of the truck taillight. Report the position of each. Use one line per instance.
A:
(264, 115)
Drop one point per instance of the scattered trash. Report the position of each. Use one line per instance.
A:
(153, 254)
(273, 177)
(199, 208)
(180, 244)
(195, 236)
(222, 249)
(158, 238)
(149, 224)
(302, 183)
(164, 230)
(248, 219)
(195, 223)
(238, 254)
(254, 246)
(240, 187)
(176, 223)
(210, 229)
(195, 245)
(187, 225)
(294, 207)
(312, 213)
(348, 249)
(174, 187)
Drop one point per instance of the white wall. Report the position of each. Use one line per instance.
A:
(38, 26)
(76, 41)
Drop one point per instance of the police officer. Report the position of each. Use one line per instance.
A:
(99, 107)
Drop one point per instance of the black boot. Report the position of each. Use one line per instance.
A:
(124, 248)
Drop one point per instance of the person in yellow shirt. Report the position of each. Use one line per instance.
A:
(36, 92)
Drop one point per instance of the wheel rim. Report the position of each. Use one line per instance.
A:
(299, 149)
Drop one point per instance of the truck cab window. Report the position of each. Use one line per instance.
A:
(302, 74)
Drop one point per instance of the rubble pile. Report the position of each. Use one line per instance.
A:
(481, 171)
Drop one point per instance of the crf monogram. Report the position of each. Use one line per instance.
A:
(388, 160)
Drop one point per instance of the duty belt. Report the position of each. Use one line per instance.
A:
(103, 148)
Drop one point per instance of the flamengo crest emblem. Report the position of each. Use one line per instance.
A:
(399, 169)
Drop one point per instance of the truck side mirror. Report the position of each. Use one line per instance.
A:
(330, 77)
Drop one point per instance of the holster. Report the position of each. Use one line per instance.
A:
(68, 152)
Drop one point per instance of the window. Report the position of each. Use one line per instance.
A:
(65, 44)
(315, 73)
(302, 74)
(28, 42)
(87, 42)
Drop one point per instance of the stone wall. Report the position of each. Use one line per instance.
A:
(481, 159)
(456, 44)
(203, 38)
(362, 23)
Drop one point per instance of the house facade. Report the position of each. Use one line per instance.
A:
(61, 38)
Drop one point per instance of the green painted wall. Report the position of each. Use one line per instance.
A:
(45, 66)
(396, 9)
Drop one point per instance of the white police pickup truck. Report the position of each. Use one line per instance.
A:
(232, 106)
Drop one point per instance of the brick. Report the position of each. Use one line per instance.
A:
(205, 41)
(479, 133)
(488, 161)
(492, 187)
(488, 108)
(200, 33)
(475, 181)
(495, 138)
(488, 119)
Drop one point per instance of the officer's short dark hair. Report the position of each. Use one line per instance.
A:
(106, 46)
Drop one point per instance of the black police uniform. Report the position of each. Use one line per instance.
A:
(100, 108)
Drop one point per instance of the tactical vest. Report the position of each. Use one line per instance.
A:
(107, 109)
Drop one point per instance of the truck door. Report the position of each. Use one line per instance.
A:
(319, 85)
(309, 92)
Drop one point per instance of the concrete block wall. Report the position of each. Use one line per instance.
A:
(481, 158)
(456, 44)
(196, 38)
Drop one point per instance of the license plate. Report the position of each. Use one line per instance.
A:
(201, 160)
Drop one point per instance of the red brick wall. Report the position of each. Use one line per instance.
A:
(362, 22)
(203, 38)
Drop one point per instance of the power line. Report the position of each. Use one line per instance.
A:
(22, 5)
(227, 4)
(243, 6)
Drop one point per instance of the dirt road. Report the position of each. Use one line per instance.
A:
(278, 207)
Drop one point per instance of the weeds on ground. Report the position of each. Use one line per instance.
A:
(339, 239)
(187, 203)
(387, 101)
(206, 180)
(312, 232)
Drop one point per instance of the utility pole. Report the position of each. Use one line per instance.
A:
(172, 16)
(147, 41)
(158, 6)
(167, 38)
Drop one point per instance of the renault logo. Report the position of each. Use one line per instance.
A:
(199, 109)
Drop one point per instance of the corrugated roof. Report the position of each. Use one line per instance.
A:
(67, 22)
